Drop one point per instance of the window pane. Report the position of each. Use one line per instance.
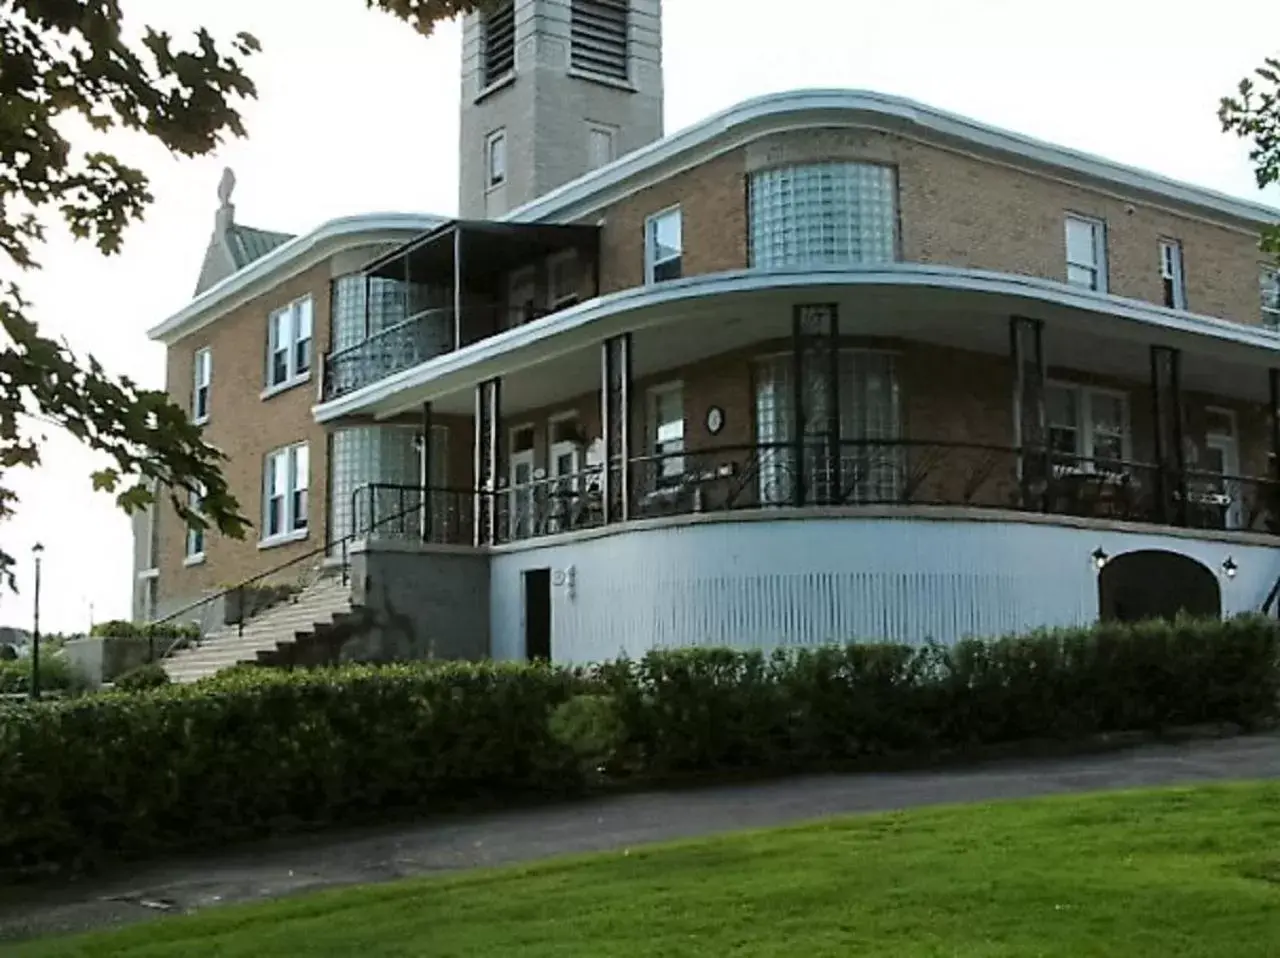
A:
(666, 236)
(1064, 440)
(1060, 407)
(1082, 249)
(823, 214)
(1108, 447)
(1108, 413)
(1082, 276)
(668, 270)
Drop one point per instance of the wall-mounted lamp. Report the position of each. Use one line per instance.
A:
(1100, 558)
(1229, 567)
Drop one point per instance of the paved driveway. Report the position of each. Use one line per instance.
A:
(286, 868)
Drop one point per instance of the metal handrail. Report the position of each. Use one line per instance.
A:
(325, 549)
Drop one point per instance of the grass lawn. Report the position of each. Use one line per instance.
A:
(1182, 872)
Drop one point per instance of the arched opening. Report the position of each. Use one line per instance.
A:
(1154, 584)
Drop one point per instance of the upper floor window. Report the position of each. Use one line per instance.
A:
(1087, 425)
(195, 533)
(823, 214)
(289, 344)
(203, 376)
(599, 147)
(598, 37)
(495, 158)
(1087, 253)
(664, 246)
(498, 43)
(284, 500)
(1270, 289)
(1172, 277)
(666, 433)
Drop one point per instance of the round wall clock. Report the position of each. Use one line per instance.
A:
(715, 420)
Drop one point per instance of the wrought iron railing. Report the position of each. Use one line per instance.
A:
(396, 512)
(859, 472)
(418, 339)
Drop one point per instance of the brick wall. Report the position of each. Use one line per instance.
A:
(246, 427)
(955, 210)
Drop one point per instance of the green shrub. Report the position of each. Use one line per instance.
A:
(255, 751)
(122, 629)
(590, 727)
(142, 679)
(55, 675)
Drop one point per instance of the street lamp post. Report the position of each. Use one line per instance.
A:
(37, 551)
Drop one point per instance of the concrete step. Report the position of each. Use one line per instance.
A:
(313, 608)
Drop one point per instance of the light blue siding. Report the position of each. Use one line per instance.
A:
(762, 584)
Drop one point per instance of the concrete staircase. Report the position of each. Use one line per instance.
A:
(314, 608)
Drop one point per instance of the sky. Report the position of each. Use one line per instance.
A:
(357, 113)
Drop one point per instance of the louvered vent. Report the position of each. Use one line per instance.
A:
(599, 33)
(498, 43)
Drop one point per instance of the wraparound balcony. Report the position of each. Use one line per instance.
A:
(787, 478)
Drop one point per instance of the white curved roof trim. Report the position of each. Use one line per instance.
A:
(292, 257)
(483, 359)
(825, 107)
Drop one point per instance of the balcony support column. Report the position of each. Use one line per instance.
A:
(615, 419)
(424, 473)
(1166, 415)
(815, 339)
(1030, 421)
(1273, 378)
(487, 451)
(457, 287)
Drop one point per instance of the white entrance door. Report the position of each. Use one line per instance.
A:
(520, 512)
(1222, 458)
(565, 485)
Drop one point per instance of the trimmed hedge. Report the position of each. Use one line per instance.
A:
(123, 629)
(255, 751)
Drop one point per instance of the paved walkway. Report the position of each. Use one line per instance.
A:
(288, 868)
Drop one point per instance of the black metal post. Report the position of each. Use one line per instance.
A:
(457, 286)
(1273, 375)
(1166, 402)
(1026, 349)
(37, 551)
(615, 418)
(798, 418)
(488, 406)
(424, 469)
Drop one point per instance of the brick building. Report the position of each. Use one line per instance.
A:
(829, 364)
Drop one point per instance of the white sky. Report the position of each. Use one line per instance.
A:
(357, 113)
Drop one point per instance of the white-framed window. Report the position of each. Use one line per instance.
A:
(562, 279)
(202, 368)
(1087, 426)
(1269, 288)
(664, 246)
(495, 158)
(194, 551)
(666, 433)
(1173, 279)
(1086, 252)
(284, 494)
(289, 344)
(600, 148)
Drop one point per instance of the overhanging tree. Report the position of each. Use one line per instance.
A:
(1254, 114)
(63, 60)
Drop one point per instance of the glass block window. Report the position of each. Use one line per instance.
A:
(869, 412)
(387, 308)
(823, 214)
(386, 455)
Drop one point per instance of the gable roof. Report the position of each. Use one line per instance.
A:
(247, 244)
